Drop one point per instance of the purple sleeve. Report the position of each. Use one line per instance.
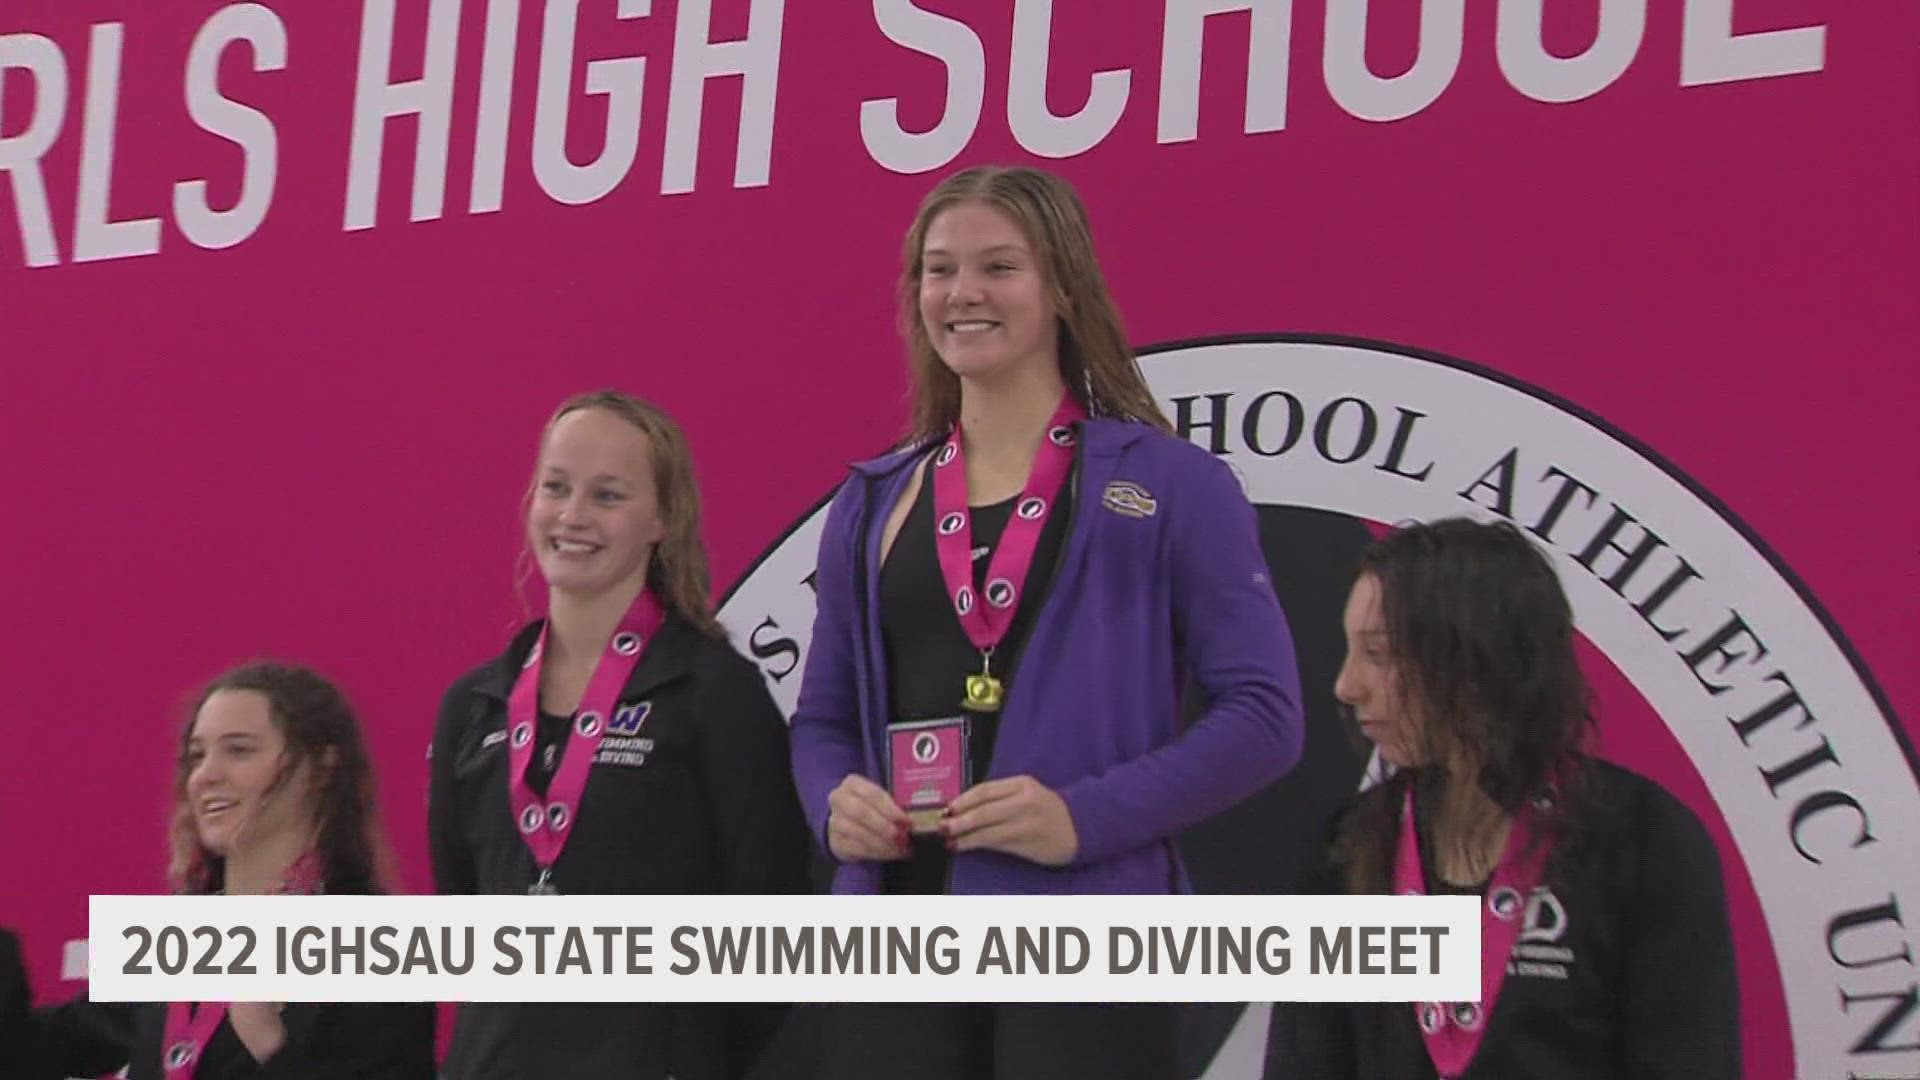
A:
(1237, 649)
(826, 722)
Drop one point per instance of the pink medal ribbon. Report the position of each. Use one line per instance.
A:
(1452, 1030)
(987, 617)
(544, 824)
(188, 1028)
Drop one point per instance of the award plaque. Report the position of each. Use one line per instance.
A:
(927, 767)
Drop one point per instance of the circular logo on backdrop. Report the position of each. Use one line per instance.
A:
(1720, 640)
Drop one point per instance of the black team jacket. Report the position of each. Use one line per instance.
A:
(1624, 971)
(690, 792)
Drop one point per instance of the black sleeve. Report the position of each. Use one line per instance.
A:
(16, 1005)
(763, 838)
(79, 1037)
(16, 999)
(1313, 1040)
(383, 1041)
(1681, 998)
(453, 871)
(748, 775)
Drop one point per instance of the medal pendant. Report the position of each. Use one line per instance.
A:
(544, 886)
(984, 693)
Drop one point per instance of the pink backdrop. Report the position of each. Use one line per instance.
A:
(311, 444)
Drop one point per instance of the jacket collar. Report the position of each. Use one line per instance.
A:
(1102, 437)
(669, 656)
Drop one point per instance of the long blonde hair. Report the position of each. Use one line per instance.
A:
(678, 572)
(1095, 361)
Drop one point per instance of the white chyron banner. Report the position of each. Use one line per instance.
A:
(785, 948)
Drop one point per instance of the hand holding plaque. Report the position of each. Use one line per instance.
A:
(863, 824)
(1019, 816)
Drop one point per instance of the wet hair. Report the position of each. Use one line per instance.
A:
(1482, 640)
(322, 735)
(1095, 361)
(678, 572)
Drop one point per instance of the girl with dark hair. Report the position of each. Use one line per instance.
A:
(1009, 610)
(617, 746)
(273, 793)
(1605, 945)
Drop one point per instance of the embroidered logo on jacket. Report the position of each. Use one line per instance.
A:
(626, 751)
(1128, 499)
(1538, 954)
(628, 718)
(621, 746)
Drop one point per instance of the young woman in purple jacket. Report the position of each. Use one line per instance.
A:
(1012, 609)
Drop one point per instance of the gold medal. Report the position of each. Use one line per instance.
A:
(984, 692)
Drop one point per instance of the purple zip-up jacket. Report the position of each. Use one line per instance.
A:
(1161, 578)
